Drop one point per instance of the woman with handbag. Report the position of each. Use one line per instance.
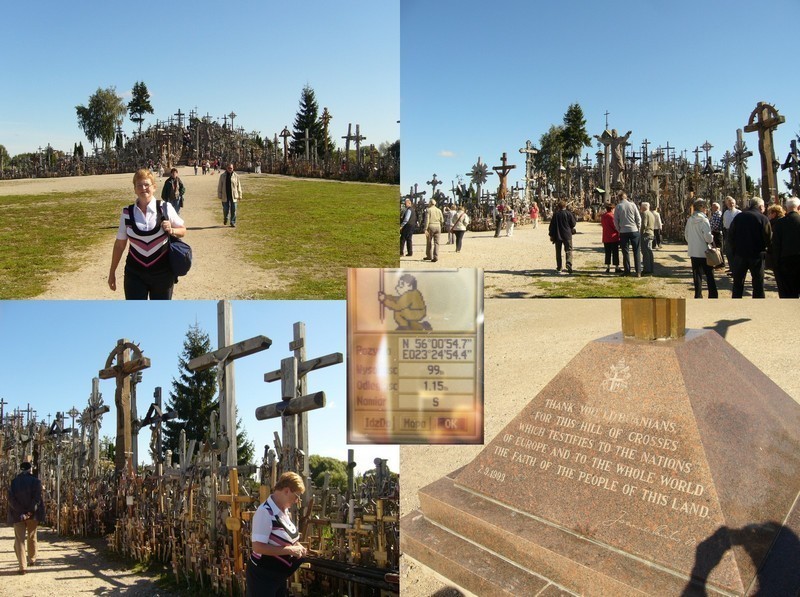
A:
(147, 224)
(460, 223)
(698, 236)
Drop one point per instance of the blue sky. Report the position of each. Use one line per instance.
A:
(51, 350)
(479, 80)
(252, 58)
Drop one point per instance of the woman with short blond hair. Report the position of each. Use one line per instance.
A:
(147, 224)
(276, 551)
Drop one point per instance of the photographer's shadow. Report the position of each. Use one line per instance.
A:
(777, 562)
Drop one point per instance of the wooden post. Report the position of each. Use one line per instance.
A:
(653, 319)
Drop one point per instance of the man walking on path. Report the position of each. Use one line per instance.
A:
(229, 191)
(751, 234)
(173, 190)
(408, 221)
(25, 512)
(562, 227)
(628, 221)
(433, 228)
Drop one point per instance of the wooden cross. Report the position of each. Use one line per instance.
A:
(2, 404)
(414, 195)
(295, 400)
(306, 139)
(180, 116)
(91, 417)
(502, 173)
(358, 139)
(645, 144)
(529, 150)
(667, 148)
(223, 358)
(234, 522)
(348, 137)
(285, 134)
(434, 182)
(155, 417)
(696, 153)
(764, 119)
(122, 395)
(325, 119)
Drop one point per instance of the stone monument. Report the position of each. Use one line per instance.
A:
(633, 472)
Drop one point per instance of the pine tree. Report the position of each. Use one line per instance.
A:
(574, 136)
(139, 104)
(308, 118)
(193, 398)
(551, 149)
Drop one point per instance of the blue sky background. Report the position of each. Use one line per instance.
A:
(480, 80)
(249, 57)
(51, 350)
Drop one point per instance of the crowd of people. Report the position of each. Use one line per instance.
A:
(738, 242)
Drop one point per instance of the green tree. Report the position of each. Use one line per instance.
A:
(193, 398)
(139, 104)
(338, 469)
(100, 119)
(308, 118)
(573, 135)
(5, 159)
(548, 160)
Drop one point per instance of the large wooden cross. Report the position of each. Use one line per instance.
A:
(295, 401)
(91, 417)
(121, 371)
(234, 522)
(156, 417)
(285, 134)
(434, 182)
(763, 120)
(502, 172)
(223, 358)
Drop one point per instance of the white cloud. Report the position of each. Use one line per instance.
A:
(446, 153)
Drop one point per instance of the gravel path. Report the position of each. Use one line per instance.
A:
(523, 265)
(67, 567)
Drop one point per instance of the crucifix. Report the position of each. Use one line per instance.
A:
(223, 359)
(792, 162)
(224, 121)
(295, 401)
(645, 145)
(156, 417)
(121, 371)
(502, 173)
(763, 120)
(740, 155)
(285, 134)
(92, 415)
(667, 150)
(696, 153)
(180, 116)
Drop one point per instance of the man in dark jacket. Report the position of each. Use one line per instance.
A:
(173, 190)
(786, 250)
(561, 229)
(25, 512)
(751, 235)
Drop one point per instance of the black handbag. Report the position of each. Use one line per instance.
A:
(180, 253)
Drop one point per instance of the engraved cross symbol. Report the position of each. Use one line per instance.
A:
(616, 379)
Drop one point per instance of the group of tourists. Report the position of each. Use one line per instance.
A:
(744, 241)
(750, 241)
(148, 224)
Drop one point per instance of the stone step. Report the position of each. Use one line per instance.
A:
(561, 557)
(468, 565)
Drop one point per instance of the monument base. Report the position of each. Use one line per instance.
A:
(714, 508)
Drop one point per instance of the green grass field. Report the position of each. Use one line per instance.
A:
(36, 243)
(309, 232)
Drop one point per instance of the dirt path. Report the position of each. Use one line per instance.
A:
(68, 567)
(217, 268)
(523, 265)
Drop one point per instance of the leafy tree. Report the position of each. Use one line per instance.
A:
(551, 148)
(193, 398)
(100, 119)
(5, 159)
(574, 136)
(338, 469)
(139, 104)
(308, 118)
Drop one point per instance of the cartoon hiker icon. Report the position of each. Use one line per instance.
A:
(408, 306)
